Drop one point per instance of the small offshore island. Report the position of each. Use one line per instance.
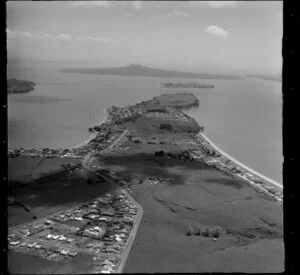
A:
(15, 86)
(187, 85)
(148, 183)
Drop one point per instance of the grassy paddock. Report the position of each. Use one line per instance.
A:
(52, 193)
(193, 197)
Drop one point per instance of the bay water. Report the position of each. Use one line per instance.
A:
(243, 117)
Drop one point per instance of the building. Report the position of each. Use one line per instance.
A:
(72, 253)
(108, 212)
(14, 243)
(64, 252)
(30, 245)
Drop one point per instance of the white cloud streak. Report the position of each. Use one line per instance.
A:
(216, 31)
(214, 4)
(58, 37)
(181, 13)
(100, 4)
(89, 4)
(64, 37)
(18, 34)
(137, 4)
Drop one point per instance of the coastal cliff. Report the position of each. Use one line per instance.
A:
(15, 86)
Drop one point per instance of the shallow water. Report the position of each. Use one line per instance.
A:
(243, 117)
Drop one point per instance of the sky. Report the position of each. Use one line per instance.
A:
(196, 36)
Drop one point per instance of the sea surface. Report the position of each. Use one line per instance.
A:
(243, 117)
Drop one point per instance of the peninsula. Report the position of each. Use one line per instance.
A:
(139, 70)
(277, 77)
(19, 86)
(187, 85)
(148, 183)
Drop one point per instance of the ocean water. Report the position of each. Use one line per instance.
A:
(243, 117)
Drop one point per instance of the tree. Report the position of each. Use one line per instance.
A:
(216, 232)
(198, 230)
(190, 231)
(166, 127)
(206, 232)
(121, 225)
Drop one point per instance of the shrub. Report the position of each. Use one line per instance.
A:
(190, 231)
(216, 232)
(198, 230)
(166, 127)
(205, 232)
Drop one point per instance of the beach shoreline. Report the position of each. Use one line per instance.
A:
(93, 135)
(223, 153)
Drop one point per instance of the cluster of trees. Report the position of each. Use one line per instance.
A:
(210, 151)
(166, 127)
(185, 155)
(205, 231)
(161, 110)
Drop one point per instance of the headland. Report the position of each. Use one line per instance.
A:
(193, 85)
(190, 203)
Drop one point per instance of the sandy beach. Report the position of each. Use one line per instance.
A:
(239, 163)
(93, 135)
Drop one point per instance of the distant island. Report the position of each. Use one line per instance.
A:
(266, 77)
(15, 86)
(139, 70)
(187, 85)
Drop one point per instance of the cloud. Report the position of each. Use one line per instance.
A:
(214, 4)
(64, 37)
(217, 31)
(97, 39)
(181, 13)
(169, 15)
(59, 37)
(221, 4)
(137, 4)
(89, 4)
(18, 34)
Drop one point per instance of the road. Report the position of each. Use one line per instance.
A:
(51, 243)
(87, 157)
(130, 241)
(120, 137)
(239, 163)
(16, 227)
(133, 234)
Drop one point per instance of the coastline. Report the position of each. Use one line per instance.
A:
(93, 135)
(239, 163)
(250, 206)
